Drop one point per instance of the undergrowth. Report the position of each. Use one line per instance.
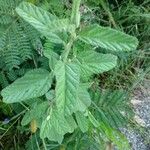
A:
(27, 51)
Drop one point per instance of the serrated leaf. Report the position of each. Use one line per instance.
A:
(67, 83)
(43, 21)
(56, 125)
(92, 62)
(108, 38)
(34, 84)
(82, 121)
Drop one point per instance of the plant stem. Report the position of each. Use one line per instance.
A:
(44, 144)
(69, 46)
(75, 16)
(75, 19)
(109, 13)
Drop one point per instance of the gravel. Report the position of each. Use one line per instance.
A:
(135, 139)
(141, 103)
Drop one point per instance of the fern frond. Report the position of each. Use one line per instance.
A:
(31, 33)
(57, 7)
(7, 10)
(15, 46)
(3, 80)
(12, 75)
(112, 108)
(10, 51)
(18, 39)
(22, 43)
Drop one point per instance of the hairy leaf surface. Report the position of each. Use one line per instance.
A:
(67, 83)
(108, 38)
(43, 21)
(56, 125)
(92, 62)
(34, 84)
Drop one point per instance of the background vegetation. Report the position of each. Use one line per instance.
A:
(21, 49)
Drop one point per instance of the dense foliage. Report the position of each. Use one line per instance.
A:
(67, 70)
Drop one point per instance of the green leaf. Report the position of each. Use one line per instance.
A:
(70, 95)
(50, 95)
(82, 121)
(34, 84)
(108, 38)
(111, 133)
(34, 113)
(67, 83)
(92, 62)
(112, 107)
(83, 100)
(43, 21)
(53, 59)
(93, 120)
(49, 52)
(56, 125)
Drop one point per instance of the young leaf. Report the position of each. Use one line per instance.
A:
(56, 125)
(67, 83)
(43, 21)
(92, 62)
(108, 38)
(34, 84)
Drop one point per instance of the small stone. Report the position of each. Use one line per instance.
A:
(140, 121)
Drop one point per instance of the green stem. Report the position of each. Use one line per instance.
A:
(44, 144)
(109, 13)
(75, 16)
(69, 46)
(75, 19)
